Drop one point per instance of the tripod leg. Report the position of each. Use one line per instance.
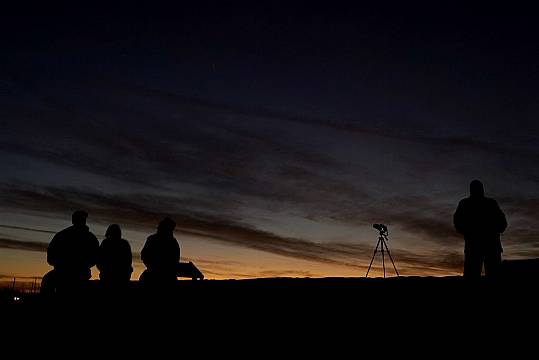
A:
(373, 255)
(394, 267)
(391, 258)
(383, 260)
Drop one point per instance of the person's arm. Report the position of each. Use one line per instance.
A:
(501, 220)
(146, 255)
(128, 258)
(93, 251)
(52, 251)
(459, 220)
(100, 257)
(178, 249)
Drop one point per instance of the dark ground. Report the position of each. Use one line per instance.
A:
(340, 313)
(322, 298)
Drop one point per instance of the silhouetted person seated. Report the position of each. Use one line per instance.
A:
(481, 221)
(161, 255)
(114, 260)
(72, 252)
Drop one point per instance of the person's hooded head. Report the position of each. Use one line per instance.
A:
(476, 189)
(113, 232)
(79, 218)
(167, 225)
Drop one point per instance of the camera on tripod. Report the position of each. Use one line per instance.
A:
(381, 228)
(382, 239)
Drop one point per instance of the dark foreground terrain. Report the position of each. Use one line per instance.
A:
(285, 298)
(284, 312)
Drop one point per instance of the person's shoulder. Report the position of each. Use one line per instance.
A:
(152, 237)
(491, 201)
(92, 236)
(64, 232)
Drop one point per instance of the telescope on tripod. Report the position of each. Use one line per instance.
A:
(382, 244)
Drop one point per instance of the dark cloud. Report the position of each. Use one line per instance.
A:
(190, 140)
(417, 215)
(26, 229)
(193, 135)
(522, 236)
(521, 147)
(144, 212)
(233, 153)
(433, 262)
(23, 245)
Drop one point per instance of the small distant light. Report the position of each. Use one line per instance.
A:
(16, 298)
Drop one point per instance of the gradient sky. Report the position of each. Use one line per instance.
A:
(275, 135)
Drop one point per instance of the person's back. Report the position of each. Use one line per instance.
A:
(114, 259)
(481, 221)
(161, 253)
(72, 252)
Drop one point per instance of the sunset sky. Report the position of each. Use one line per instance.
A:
(275, 135)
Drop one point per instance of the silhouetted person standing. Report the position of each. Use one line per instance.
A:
(114, 259)
(481, 221)
(72, 252)
(161, 255)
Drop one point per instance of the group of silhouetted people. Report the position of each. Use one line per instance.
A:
(75, 250)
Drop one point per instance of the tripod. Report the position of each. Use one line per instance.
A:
(382, 239)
